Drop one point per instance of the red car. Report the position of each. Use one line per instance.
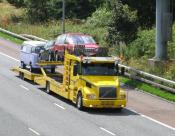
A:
(70, 41)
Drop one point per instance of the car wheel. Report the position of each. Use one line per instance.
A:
(47, 88)
(50, 58)
(53, 70)
(31, 68)
(23, 65)
(56, 56)
(79, 102)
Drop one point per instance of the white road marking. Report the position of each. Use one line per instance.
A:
(9, 57)
(35, 132)
(107, 131)
(149, 118)
(24, 87)
(59, 106)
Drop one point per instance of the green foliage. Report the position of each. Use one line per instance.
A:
(100, 18)
(146, 11)
(144, 45)
(44, 10)
(148, 88)
(10, 38)
(38, 10)
(17, 3)
(123, 26)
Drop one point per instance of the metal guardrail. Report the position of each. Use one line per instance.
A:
(14, 35)
(149, 78)
(33, 37)
(133, 73)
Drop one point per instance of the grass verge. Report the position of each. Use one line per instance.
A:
(10, 38)
(148, 88)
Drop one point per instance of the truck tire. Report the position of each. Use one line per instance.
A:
(120, 109)
(47, 90)
(79, 102)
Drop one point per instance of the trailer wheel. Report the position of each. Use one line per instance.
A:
(47, 88)
(79, 102)
(21, 75)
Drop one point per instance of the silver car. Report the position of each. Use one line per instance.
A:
(29, 54)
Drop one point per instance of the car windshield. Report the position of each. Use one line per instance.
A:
(38, 49)
(81, 39)
(107, 69)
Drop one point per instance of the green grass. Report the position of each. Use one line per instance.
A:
(148, 88)
(10, 38)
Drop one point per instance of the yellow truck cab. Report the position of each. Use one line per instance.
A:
(87, 81)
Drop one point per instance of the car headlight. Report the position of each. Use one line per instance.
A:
(91, 96)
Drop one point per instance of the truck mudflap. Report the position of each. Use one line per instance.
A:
(104, 103)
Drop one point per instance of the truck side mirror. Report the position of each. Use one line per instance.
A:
(75, 71)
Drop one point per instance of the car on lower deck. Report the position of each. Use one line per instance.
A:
(29, 54)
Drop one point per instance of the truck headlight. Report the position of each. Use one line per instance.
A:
(91, 96)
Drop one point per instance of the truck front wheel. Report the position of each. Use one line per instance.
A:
(79, 102)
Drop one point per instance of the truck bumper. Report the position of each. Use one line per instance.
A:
(104, 103)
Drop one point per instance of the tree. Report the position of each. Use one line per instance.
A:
(17, 3)
(146, 11)
(123, 25)
(43, 10)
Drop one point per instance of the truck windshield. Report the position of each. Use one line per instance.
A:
(107, 69)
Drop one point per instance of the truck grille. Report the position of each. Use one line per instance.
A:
(107, 92)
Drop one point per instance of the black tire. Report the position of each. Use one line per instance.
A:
(56, 56)
(23, 66)
(119, 109)
(21, 75)
(53, 70)
(31, 69)
(79, 102)
(49, 57)
(47, 90)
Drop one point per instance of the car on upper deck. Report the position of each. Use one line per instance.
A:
(69, 41)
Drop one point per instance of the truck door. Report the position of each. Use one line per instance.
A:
(73, 79)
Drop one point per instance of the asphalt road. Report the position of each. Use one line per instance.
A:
(25, 110)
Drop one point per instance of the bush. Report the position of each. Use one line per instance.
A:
(123, 25)
(100, 18)
(17, 3)
(144, 45)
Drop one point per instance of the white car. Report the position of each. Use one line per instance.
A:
(29, 54)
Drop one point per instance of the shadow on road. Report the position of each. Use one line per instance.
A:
(111, 112)
(104, 111)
